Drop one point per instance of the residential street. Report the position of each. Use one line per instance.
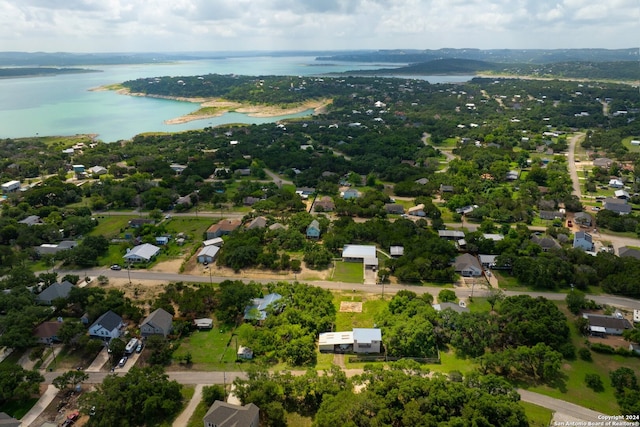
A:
(573, 171)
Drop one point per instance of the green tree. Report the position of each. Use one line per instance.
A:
(70, 330)
(594, 382)
(70, 378)
(212, 393)
(447, 295)
(576, 301)
(17, 383)
(138, 398)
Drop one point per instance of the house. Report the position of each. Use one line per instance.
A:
(305, 192)
(139, 222)
(203, 323)
(54, 291)
(451, 234)
(615, 183)
(257, 223)
(546, 243)
(47, 333)
(417, 210)
(351, 193)
(360, 253)
(467, 266)
(7, 420)
(162, 240)
(325, 204)
(78, 169)
(600, 324)
(214, 242)
(583, 218)
(367, 340)
(394, 208)
(177, 168)
(446, 188)
(551, 215)
(98, 170)
(10, 187)
(636, 316)
(618, 206)
(141, 253)
(244, 353)
(54, 248)
(208, 254)
(250, 200)
(583, 240)
(622, 194)
(396, 251)
(107, 326)
(625, 251)
(277, 226)
(512, 175)
(359, 340)
(488, 261)
(450, 306)
(493, 236)
(422, 181)
(602, 162)
(32, 220)
(258, 309)
(223, 228)
(313, 230)
(160, 322)
(223, 414)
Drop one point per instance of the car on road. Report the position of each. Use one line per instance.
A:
(116, 267)
(123, 362)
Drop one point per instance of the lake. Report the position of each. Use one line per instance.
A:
(65, 105)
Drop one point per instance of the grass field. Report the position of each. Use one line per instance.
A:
(537, 415)
(371, 306)
(212, 350)
(348, 272)
(198, 415)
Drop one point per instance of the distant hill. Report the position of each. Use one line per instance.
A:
(437, 67)
(39, 71)
(534, 56)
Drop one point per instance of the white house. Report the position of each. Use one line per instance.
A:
(107, 326)
(208, 254)
(10, 187)
(360, 253)
(360, 340)
(615, 183)
(142, 253)
(366, 340)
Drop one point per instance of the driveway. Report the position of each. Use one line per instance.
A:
(184, 416)
(40, 406)
(99, 361)
(573, 170)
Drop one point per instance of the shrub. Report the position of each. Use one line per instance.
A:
(594, 382)
(585, 354)
(603, 348)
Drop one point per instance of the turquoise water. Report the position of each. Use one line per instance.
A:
(64, 105)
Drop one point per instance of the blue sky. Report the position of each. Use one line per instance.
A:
(228, 25)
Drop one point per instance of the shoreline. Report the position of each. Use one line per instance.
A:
(216, 107)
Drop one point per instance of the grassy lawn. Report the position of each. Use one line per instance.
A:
(198, 415)
(507, 281)
(18, 409)
(111, 226)
(348, 272)
(371, 305)
(295, 419)
(537, 415)
(209, 350)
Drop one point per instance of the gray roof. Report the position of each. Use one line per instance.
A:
(108, 320)
(625, 251)
(466, 261)
(607, 321)
(617, 205)
(314, 224)
(261, 305)
(551, 214)
(367, 335)
(145, 251)
(56, 290)
(359, 251)
(451, 306)
(223, 414)
(7, 420)
(31, 220)
(210, 250)
(159, 319)
(454, 234)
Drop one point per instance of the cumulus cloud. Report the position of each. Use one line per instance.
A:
(106, 25)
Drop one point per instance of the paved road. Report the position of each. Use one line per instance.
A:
(622, 302)
(40, 405)
(573, 170)
(569, 409)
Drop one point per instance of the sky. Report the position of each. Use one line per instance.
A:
(248, 25)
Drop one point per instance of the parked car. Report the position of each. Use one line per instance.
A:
(569, 224)
(139, 348)
(116, 267)
(122, 362)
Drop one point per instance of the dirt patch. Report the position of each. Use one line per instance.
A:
(350, 307)
(613, 341)
(171, 266)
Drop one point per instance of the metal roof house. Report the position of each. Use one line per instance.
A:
(360, 253)
(611, 325)
(142, 253)
(208, 254)
(223, 414)
(360, 340)
(258, 309)
(367, 340)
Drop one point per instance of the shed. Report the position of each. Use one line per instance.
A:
(208, 254)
